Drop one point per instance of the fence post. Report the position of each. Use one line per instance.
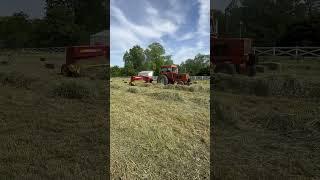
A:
(274, 51)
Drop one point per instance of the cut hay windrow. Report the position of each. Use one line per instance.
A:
(16, 79)
(273, 85)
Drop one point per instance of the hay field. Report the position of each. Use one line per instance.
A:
(159, 132)
(268, 127)
(52, 127)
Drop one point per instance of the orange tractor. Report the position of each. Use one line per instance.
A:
(169, 74)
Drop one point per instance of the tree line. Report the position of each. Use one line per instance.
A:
(153, 57)
(66, 22)
(272, 23)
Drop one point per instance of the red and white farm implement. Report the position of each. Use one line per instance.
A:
(146, 76)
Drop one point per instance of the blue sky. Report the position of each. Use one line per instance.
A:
(181, 26)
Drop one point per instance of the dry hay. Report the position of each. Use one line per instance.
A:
(273, 85)
(16, 79)
(115, 86)
(72, 90)
(260, 68)
(166, 96)
(133, 90)
(225, 115)
(49, 66)
(191, 88)
(272, 65)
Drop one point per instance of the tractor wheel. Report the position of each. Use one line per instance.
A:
(225, 68)
(189, 82)
(252, 70)
(180, 83)
(65, 70)
(163, 79)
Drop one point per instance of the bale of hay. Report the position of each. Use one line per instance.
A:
(260, 68)
(272, 66)
(49, 66)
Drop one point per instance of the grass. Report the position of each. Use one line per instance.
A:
(267, 127)
(52, 127)
(159, 132)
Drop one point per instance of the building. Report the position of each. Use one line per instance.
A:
(100, 38)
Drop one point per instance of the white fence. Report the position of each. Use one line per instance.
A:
(193, 78)
(288, 51)
(44, 50)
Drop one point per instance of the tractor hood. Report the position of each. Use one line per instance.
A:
(146, 73)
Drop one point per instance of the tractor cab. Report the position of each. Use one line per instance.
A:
(169, 74)
(171, 69)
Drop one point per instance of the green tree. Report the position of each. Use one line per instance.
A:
(116, 71)
(155, 57)
(135, 58)
(199, 66)
(11, 32)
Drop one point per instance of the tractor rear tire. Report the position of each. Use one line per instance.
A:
(225, 68)
(163, 80)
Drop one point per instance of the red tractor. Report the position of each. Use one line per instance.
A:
(231, 55)
(170, 75)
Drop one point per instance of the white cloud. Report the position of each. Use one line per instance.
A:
(187, 52)
(204, 17)
(186, 36)
(160, 25)
(152, 10)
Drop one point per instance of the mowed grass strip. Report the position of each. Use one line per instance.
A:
(155, 135)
